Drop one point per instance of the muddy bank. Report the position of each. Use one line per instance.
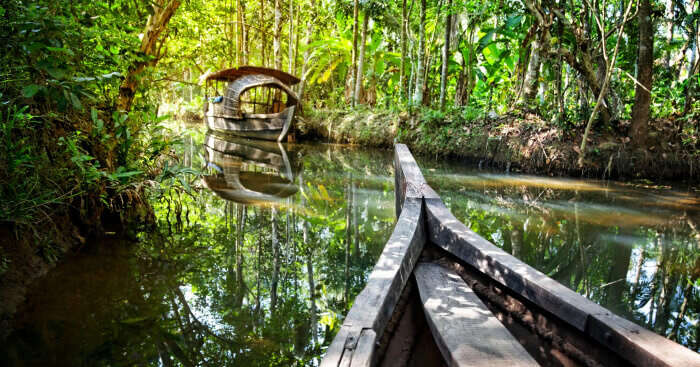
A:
(518, 142)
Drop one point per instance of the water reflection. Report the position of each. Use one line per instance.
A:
(248, 171)
(634, 249)
(227, 279)
(264, 278)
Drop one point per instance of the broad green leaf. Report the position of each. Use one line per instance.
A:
(513, 21)
(75, 101)
(30, 90)
(56, 73)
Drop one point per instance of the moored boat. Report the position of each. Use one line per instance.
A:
(251, 102)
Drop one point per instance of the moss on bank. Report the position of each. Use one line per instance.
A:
(516, 142)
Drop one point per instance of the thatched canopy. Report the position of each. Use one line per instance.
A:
(235, 73)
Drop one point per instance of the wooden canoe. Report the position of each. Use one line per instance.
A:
(257, 102)
(441, 295)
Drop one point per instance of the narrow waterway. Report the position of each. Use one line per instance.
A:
(259, 262)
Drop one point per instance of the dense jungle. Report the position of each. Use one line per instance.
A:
(565, 132)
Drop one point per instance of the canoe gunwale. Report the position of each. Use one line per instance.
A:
(374, 306)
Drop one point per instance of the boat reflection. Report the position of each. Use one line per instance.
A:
(248, 171)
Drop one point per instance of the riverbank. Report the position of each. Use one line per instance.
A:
(516, 142)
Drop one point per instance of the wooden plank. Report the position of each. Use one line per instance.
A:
(373, 307)
(408, 179)
(364, 353)
(466, 332)
(632, 342)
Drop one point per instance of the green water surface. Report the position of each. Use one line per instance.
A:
(260, 262)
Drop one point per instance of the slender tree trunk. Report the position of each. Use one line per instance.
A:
(559, 72)
(276, 42)
(307, 52)
(694, 68)
(645, 70)
(357, 95)
(402, 72)
(418, 94)
(353, 67)
(297, 14)
(290, 51)
(668, 27)
(533, 73)
(461, 81)
(445, 54)
(163, 10)
(263, 34)
(243, 32)
(604, 87)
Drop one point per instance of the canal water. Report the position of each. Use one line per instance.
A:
(256, 262)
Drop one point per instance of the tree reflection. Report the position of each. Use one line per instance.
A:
(252, 283)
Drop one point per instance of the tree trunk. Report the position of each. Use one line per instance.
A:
(533, 73)
(645, 72)
(263, 35)
(402, 72)
(353, 67)
(290, 51)
(668, 27)
(243, 32)
(297, 14)
(276, 42)
(604, 87)
(357, 95)
(694, 68)
(307, 53)
(461, 85)
(163, 10)
(418, 94)
(445, 54)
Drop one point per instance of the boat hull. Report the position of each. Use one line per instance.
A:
(259, 126)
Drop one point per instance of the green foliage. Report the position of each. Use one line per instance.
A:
(66, 149)
(26, 191)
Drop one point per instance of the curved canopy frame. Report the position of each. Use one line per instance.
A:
(231, 75)
(232, 98)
